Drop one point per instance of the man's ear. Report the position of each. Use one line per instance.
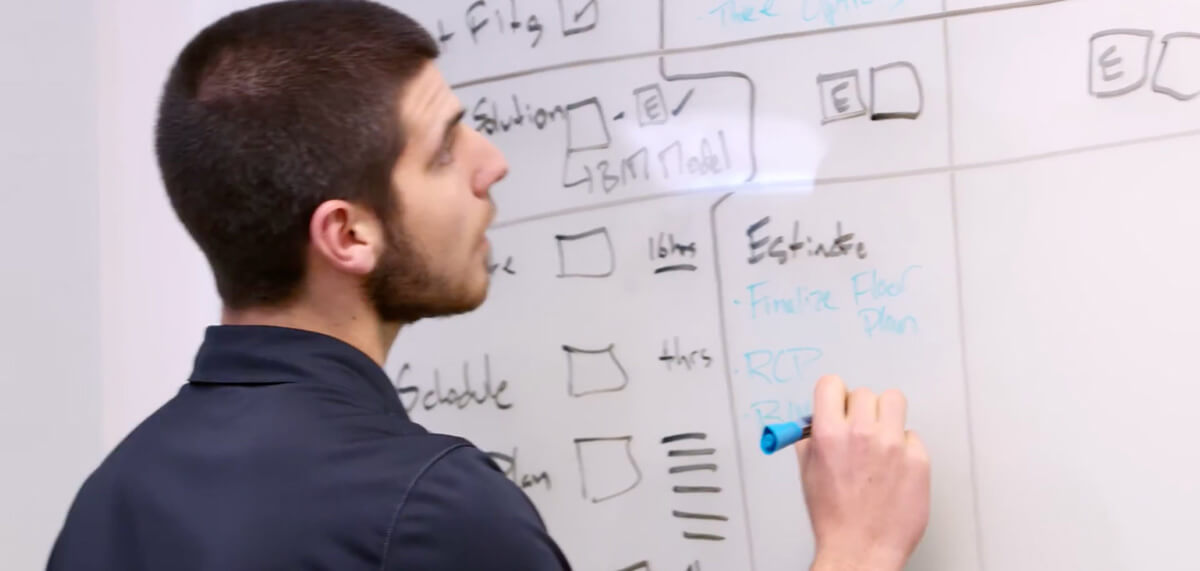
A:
(347, 236)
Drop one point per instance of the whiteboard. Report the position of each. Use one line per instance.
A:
(986, 204)
(712, 203)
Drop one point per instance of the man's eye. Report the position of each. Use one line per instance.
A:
(445, 156)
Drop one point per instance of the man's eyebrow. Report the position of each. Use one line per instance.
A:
(448, 132)
(456, 119)
(453, 122)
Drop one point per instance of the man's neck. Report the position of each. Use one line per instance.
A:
(361, 329)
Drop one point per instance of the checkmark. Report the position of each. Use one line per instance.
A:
(581, 19)
(591, 4)
(679, 108)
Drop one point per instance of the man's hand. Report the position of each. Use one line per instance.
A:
(866, 480)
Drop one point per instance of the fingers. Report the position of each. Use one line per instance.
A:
(863, 408)
(829, 404)
(836, 411)
(893, 410)
(802, 449)
(916, 448)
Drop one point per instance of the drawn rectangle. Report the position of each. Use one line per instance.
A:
(1118, 61)
(587, 130)
(651, 105)
(607, 468)
(586, 255)
(840, 95)
(593, 371)
(1178, 71)
(578, 16)
(896, 92)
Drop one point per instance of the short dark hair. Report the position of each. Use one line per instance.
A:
(273, 110)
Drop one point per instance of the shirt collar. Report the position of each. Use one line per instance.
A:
(262, 354)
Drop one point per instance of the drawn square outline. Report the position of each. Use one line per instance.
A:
(826, 117)
(656, 93)
(583, 479)
(561, 239)
(611, 353)
(573, 129)
(1162, 57)
(898, 114)
(1148, 35)
(574, 27)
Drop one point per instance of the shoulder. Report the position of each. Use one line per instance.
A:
(462, 513)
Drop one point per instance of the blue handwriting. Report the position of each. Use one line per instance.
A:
(830, 10)
(774, 411)
(783, 366)
(802, 300)
(878, 320)
(873, 287)
(743, 12)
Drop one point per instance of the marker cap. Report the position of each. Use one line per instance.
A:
(778, 436)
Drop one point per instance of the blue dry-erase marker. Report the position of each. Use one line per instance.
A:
(777, 436)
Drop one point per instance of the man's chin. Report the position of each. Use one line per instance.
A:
(474, 299)
(436, 302)
(465, 302)
(412, 313)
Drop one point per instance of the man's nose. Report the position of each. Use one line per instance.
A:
(494, 168)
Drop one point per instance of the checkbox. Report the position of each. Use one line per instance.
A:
(587, 130)
(607, 469)
(896, 92)
(1119, 61)
(651, 105)
(594, 371)
(1178, 70)
(578, 16)
(841, 98)
(586, 255)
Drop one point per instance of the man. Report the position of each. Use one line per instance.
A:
(316, 156)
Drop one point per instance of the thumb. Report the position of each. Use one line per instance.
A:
(802, 450)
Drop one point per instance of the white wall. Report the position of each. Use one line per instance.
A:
(49, 300)
(104, 298)
(156, 291)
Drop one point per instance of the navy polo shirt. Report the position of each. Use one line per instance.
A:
(290, 450)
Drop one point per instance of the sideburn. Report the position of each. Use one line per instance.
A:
(401, 288)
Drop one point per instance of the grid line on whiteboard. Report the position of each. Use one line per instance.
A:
(664, 51)
(830, 181)
(958, 289)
